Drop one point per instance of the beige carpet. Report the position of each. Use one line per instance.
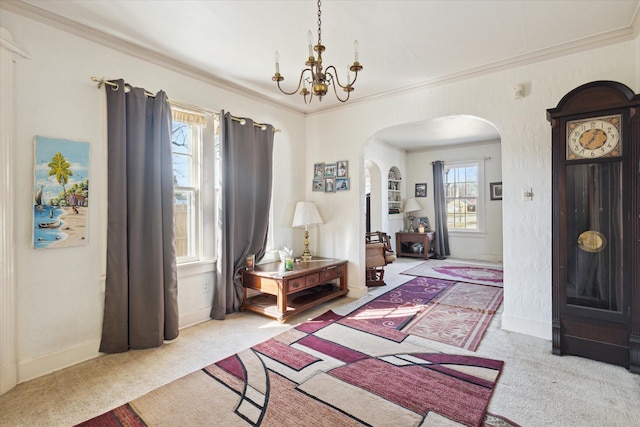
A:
(535, 388)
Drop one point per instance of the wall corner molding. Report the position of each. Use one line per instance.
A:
(8, 325)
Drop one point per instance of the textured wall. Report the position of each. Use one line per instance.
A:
(526, 158)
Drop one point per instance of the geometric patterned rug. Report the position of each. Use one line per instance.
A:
(490, 274)
(324, 373)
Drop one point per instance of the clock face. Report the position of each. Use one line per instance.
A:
(594, 138)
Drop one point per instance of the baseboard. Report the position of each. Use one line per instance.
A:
(526, 327)
(8, 378)
(34, 368)
(357, 292)
(195, 317)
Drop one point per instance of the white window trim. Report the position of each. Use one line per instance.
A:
(481, 205)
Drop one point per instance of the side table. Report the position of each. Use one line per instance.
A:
(285, 293)
(405, 244)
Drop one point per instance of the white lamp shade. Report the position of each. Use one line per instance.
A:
(412, 205)
(306, 214)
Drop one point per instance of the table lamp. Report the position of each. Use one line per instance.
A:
(410, 207)
(306, 214)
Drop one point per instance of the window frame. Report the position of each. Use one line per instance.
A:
(480, 204)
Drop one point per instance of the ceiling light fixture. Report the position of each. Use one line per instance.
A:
(314, 75)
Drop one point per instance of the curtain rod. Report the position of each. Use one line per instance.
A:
(187, 106)
(461, 161)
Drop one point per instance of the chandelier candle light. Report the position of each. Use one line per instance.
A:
(319, 80)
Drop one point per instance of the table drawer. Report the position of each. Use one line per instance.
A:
(303, 282)
(312, 280)
(332, 273)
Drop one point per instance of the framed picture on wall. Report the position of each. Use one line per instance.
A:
(329, 170)
(342, 184)
(343, 169)
(495, 190)
(318, 184)
(421, 190)
(330, 185)
(318, 170)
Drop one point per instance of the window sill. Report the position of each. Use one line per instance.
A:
(459, 233)
(197, 267)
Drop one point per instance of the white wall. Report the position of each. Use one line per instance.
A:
(526, 161)
(487, 245)
(59, 291)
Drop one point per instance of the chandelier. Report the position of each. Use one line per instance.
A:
(317, 79)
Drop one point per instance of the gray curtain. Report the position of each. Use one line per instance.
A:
(442, 233)
(141, 301)
(246, 153)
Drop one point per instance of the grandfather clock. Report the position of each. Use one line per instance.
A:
(596, 224)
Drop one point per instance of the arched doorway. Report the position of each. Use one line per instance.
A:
(412, 147)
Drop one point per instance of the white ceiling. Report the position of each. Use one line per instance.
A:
(403, 44)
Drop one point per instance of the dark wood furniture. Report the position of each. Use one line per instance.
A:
(596, 224)
(378, 255)
(284, 293)
(418, 245)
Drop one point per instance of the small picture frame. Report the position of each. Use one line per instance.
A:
(318, 184)
(330, 185)
(495, 190)
(329, 170)
(343, 169)
(318, 170)
(421, 190)
(424, 221)
(342, 184)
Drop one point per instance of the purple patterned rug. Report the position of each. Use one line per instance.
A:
(450, 270)
(387, 314)
(323, 373)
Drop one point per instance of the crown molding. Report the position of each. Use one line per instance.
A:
(630, 32)
(40, 15)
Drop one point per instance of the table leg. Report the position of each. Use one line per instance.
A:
(282, 299)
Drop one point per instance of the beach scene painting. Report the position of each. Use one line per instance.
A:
(61, 193)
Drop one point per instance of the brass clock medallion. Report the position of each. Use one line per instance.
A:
(594, 138)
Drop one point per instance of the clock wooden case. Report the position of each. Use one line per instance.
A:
(596, 224)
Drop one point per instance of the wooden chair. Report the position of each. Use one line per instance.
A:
(378, 255)
(384, 238)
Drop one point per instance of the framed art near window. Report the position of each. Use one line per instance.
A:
(496, 190)
(421, 190)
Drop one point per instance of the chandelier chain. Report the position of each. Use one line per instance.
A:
(319, 23)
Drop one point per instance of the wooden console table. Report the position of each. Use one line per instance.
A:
(285, 293)
(404, 243)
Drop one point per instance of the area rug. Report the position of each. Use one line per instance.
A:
(483, 274)
(458, 316)
(323, 373)
(395, 308)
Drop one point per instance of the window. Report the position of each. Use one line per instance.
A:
(187, 143)
(463, 187)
